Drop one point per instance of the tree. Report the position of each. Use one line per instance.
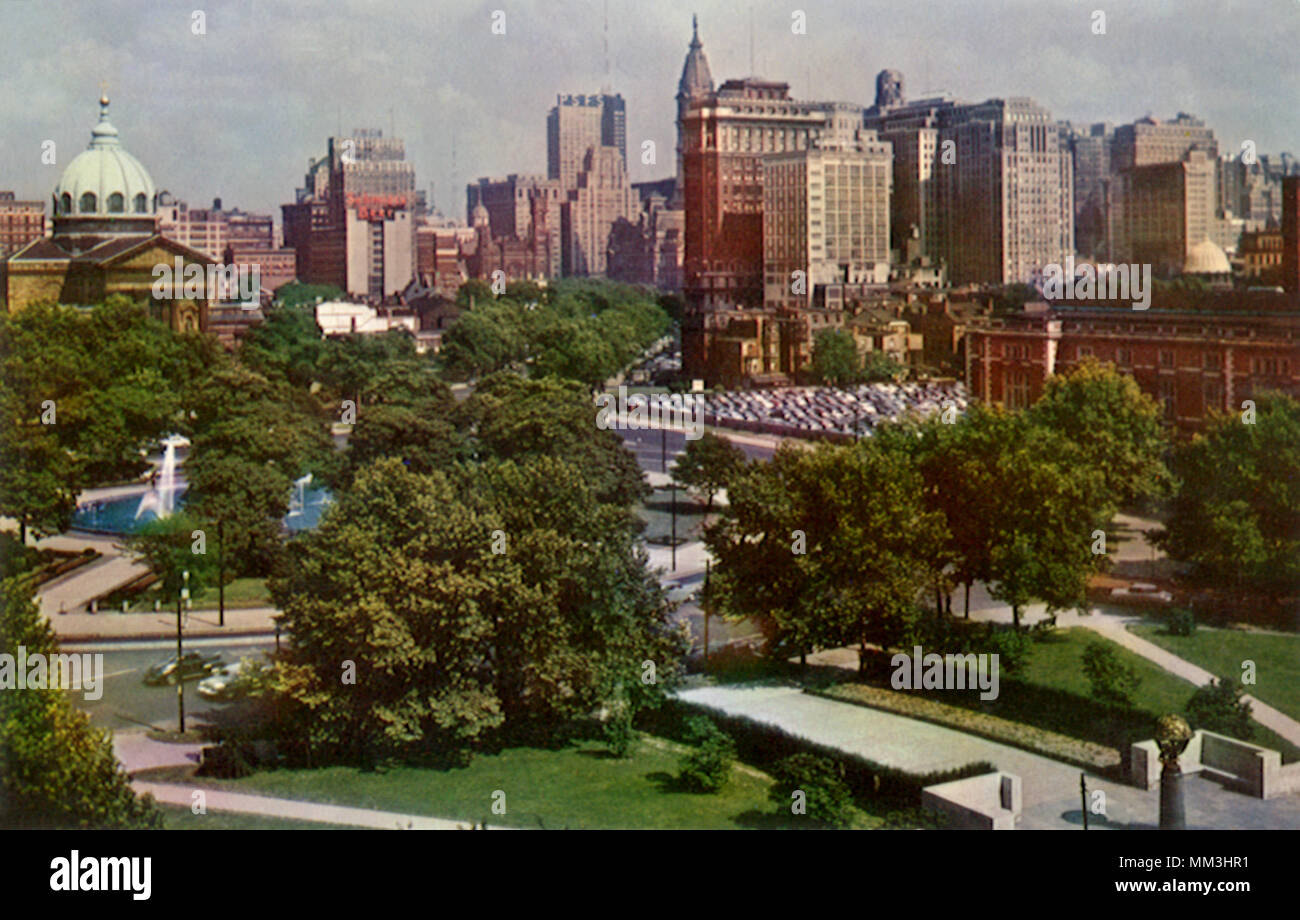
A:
(826, 797)
(37, 477)
(878, 367)
(1113, 425)
(707, 465)
(1218, 707)
(825, 547)
(835, 358)
(1235, 516)
(500, 595)
(56, 770)
(1111, 680)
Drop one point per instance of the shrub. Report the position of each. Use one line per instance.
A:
(618, 731)
(826, 797)
(1112, 681)
(1012, 646)
(1181, 622)
(1218, 707)
(708, 767)
(913, 819)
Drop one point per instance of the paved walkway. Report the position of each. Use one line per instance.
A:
(292, 810)
(1050, 788)
(91, 627)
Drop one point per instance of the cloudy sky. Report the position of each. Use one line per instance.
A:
(237, 112)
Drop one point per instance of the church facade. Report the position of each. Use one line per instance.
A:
(105, 240)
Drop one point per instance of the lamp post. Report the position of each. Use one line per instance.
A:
(1172, 736)
(181, 598)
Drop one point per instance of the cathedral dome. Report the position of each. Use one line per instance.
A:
(104, 181)
(1206, 258)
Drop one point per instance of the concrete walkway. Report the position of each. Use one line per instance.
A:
(1050, 789)
(107, 626)
(293, 810)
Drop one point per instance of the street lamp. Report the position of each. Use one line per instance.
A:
(180, 683)
(1172, 737)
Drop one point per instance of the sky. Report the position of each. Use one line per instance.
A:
(237, 112)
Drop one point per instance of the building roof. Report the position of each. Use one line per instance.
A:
(1206, 258)
(696, 79)
(105, 169)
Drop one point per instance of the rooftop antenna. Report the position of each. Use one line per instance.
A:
(605, 39)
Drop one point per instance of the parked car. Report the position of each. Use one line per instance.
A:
(228, 681)
(1141, 592)
(192, 665)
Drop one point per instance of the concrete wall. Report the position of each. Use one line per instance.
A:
(1256, 770)
(991, 802)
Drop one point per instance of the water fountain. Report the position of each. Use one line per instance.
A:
(161, 497)
(298, 497)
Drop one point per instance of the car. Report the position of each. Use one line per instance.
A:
(192, 665)
(1141, 592)
(227, 682)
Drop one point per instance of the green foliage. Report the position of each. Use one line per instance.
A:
(295, 293)
(1235, 518)
(826, 796)
(825, 547)
(1112, 424)
(835, 358)
(707, 465)
(618, 731)
(1110, 680)
(1218, 707)
(878, 367)
(1181, 622)
(167, 546)
(57, 770)
(460, 640)
(708, 766)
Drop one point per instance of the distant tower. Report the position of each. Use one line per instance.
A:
(696, 83)
(889, 89)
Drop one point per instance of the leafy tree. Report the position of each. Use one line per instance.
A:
(167, 545)
(287, 344)
(56, 770)
(826, 796)
(835, 359)
(37, 477)
(295, 293)
(1112, 424)
(707, 465)
(878, 367)
(1111, 680)
(825, 547)
(1218, 707)
(1235, 517)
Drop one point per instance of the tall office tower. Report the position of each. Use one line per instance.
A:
(352, 223)
(889, 89)
(1090, 148)
(573, 126)
(726, 136)
(912, 128)
(825, 215)
(613, 124)
(1163, 211)
(696, 83)
(1006, 202)
(20, 222)
(601, 196)
(1291, 234)
(510, 204)
(1147, 141)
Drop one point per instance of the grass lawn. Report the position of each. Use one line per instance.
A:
(1053, 693)
(1221, 652)
(578, 786)
(242, 592)
(180, 818)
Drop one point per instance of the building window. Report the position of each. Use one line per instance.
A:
(88, 203)
(141, 203)
(1168, 397)
(1122, 357)
(1212, 360)
(1213, 392)
(1166, 358)
(116, 203)
(65, 204)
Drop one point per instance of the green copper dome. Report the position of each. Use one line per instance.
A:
(104, 180)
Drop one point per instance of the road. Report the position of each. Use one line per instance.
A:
(128, 703)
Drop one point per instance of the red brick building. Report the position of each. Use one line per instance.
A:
(1192, 360)
(20, 223)
(1291, 234)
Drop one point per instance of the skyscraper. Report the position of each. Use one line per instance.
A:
(696, 83)
(576, 123)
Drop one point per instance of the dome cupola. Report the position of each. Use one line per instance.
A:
(104, 181)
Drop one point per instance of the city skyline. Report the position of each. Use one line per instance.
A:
(273, 107)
